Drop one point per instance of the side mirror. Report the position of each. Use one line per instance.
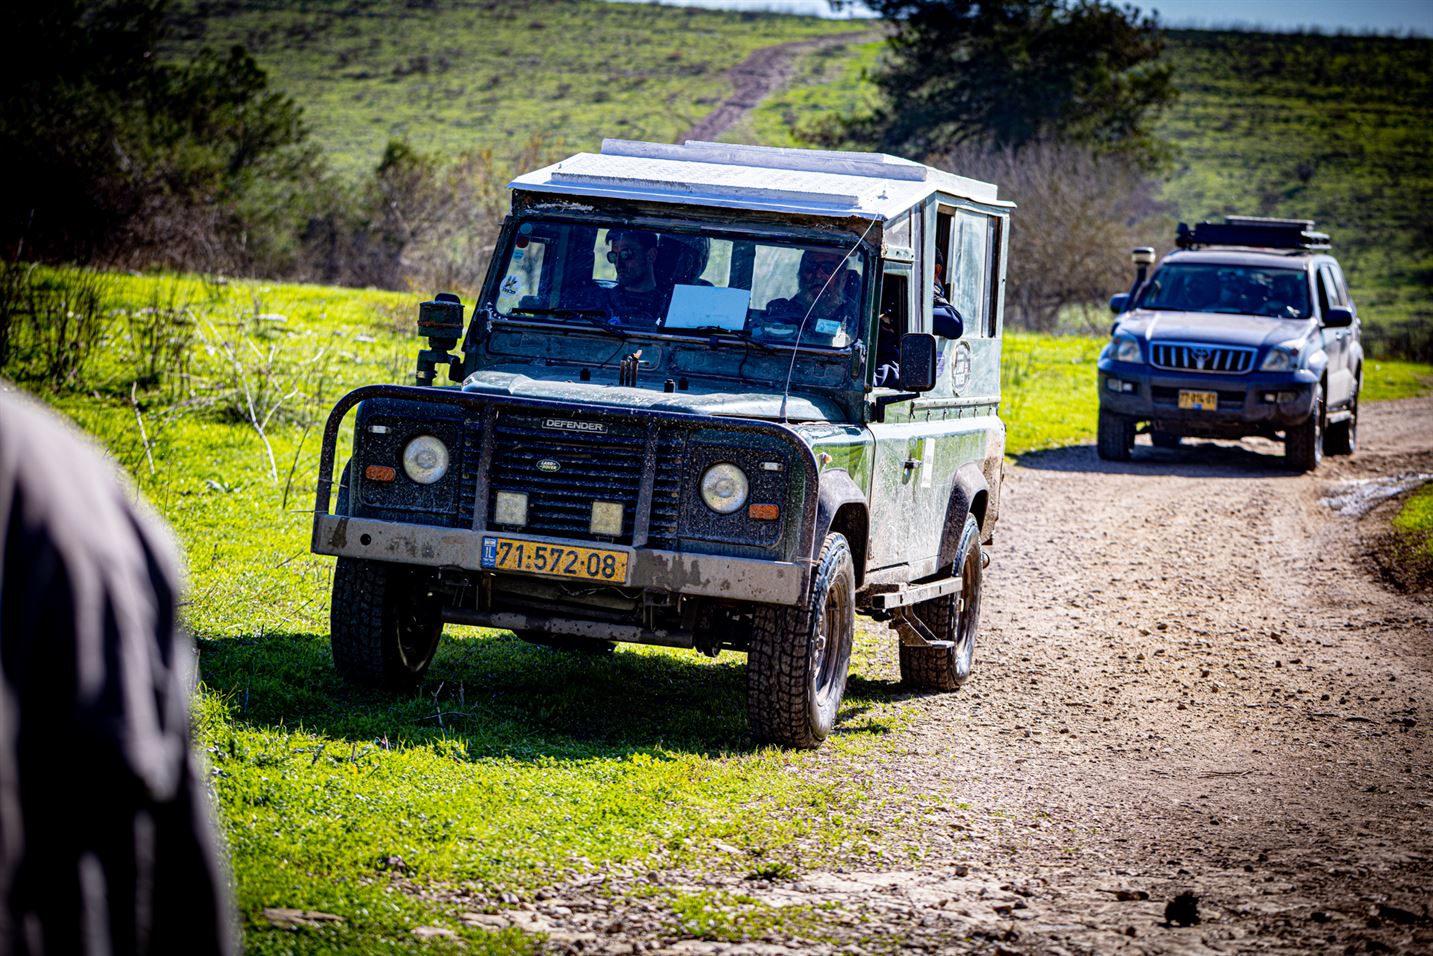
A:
(1118, 301)
(441, 323)
(917, 362)
(1338, 317)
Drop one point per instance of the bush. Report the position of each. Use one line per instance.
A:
(1080, 214)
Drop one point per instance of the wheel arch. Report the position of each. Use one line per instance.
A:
(842, 508)
(969, 495)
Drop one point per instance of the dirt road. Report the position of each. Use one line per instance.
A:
(1189, 679)
(758, 76)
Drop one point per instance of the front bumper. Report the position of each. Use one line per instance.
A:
(1243, 399)
(699, 575)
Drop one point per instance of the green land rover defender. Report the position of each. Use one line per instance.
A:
(710, 397)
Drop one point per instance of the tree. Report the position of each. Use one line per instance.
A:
(117, 154)
(1079, 215)
(1012, 72)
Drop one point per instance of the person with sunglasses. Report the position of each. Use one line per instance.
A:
(637, 299)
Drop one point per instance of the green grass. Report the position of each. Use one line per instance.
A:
(450, 77)
(1410, 551)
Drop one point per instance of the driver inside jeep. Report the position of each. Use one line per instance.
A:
(637, 299)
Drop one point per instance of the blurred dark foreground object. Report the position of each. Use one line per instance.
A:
(107, 845)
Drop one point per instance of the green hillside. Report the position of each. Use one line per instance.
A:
(1334, 128)
(448, 76)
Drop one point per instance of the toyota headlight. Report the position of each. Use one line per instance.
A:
(1126, 349)
(425, 459)
(1281, 358)
(724, 488)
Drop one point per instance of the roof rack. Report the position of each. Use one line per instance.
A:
(1253, 231)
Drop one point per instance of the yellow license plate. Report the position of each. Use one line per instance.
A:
(560, 560)
(1202, 401)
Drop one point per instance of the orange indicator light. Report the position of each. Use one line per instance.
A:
(764, 512)
(380, 473)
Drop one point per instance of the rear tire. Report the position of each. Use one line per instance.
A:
(1114, 436)
(954, 617)
(384, 624)
(1304, 442)
(799, 658)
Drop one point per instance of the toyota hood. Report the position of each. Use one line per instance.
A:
(1212, 328)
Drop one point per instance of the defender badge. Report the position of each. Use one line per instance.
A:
(565, 425)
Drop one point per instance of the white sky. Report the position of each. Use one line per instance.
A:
(1356, 16)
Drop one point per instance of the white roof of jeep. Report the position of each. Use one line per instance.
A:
(809, 181)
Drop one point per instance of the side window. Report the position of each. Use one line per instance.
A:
(1340, 285)
(969, 270)
(894, 321)
(992, 278)
(1328, 291)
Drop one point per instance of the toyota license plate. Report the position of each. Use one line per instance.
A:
(1199, 401)
(559, 560)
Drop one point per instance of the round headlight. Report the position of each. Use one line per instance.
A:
(724, 488)
(425, 459)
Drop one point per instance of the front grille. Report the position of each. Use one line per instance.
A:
(1196, 357)
(564, 471)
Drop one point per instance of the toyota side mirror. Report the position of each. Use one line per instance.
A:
(1118, 301)
(917, 362)
(1338, 317)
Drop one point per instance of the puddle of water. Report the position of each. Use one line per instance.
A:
(1358, 497)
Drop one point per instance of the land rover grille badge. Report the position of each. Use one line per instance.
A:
(549, 465)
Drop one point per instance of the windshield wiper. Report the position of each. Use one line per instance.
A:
(721, 332)
(597, 318)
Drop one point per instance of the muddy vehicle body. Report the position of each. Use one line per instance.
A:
(666, 428)
(1246, 329)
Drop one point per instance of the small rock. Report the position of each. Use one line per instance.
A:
(1183, 910)
(1126, 896)
(294, 919)
(433, 932)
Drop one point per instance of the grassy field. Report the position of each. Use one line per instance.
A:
(512, 767)
(450, 77)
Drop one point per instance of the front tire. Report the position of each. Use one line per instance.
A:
(1342, 437)
(799, 658)
(953, 617)
(1304, 442)
(1114, 436)
(384, 624)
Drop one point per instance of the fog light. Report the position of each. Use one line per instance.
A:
(510, 508)
(380, 473)
(607, 518)
(1126, 386)
(764, 512)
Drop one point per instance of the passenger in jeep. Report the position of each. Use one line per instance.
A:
(820, 300)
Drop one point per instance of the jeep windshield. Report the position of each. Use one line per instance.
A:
(721, 286)
(1244, 290)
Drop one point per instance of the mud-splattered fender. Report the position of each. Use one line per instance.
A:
(841, 506)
